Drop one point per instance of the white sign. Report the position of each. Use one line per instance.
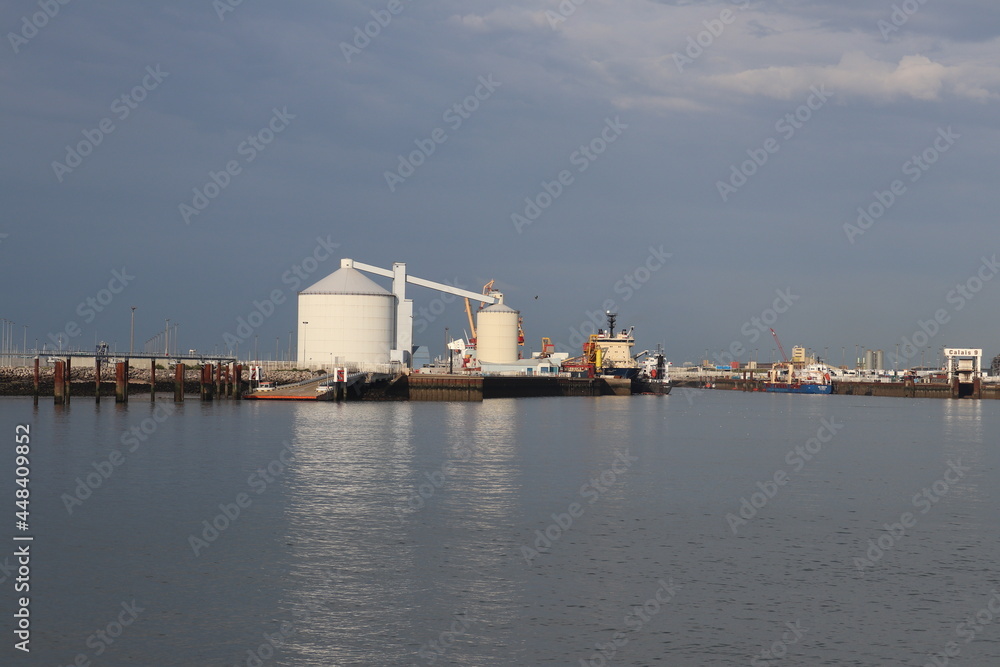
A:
(962, 352)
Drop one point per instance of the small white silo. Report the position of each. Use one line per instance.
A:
(496, 334)
(350, 319)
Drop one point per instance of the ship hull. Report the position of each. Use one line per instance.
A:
(798, 388)
(651, 387)
(624, 373)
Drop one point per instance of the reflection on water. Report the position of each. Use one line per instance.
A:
(394, 534)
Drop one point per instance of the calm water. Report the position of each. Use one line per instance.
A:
(402, 533)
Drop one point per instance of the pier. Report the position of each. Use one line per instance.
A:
(220, 376)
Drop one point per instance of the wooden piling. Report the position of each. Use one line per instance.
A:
(152, 380)
(38, 379)
(179, 383)
(66, 379)
(238, 382)
(206, 385)
(97, 379)
(121, 382)
(58, 385)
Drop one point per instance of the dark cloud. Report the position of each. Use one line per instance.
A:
(560, 83)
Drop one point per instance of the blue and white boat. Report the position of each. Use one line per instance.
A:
(785, 379)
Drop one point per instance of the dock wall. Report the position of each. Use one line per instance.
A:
(893, 389)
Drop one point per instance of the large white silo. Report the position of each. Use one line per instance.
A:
(345, 317)
(496, 334)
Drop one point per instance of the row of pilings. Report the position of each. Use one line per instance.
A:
(223, 381)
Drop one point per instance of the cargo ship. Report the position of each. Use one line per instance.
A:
(614, 351)
(782, 379)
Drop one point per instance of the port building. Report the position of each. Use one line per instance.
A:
(347, 318)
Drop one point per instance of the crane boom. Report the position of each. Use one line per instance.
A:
(781, 348)
(472, 323)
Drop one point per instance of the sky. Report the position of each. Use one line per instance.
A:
(707, 170)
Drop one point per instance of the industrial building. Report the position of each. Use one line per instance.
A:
(348, 319)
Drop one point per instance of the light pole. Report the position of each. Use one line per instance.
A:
(304, 330)
(131, 335)
(447, 350)
(166, 340)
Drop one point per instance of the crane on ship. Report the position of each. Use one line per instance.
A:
(781, 348)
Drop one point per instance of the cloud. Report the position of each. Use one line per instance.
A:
(858, 75)
(504, 19)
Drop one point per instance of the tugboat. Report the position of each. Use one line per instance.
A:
(654, 375)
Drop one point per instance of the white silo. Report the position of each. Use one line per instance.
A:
(343, 318)
(496, 334)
